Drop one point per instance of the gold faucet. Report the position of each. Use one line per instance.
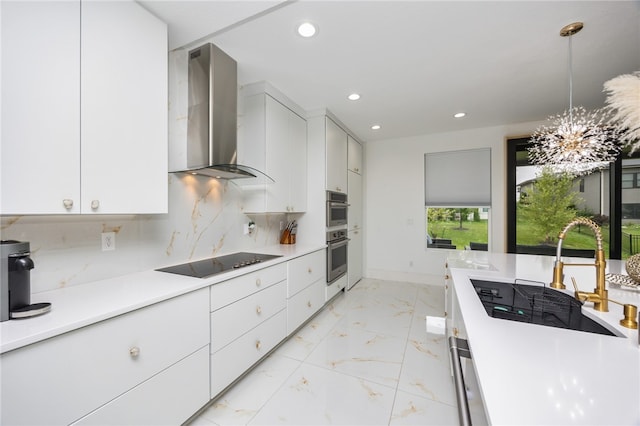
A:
(599, 296)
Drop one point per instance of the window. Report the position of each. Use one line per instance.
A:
(458, 199)
(611, 197)
(630, 178)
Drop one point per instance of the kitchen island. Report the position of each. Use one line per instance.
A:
(535, 374)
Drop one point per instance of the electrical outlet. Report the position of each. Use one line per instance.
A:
(108, 241)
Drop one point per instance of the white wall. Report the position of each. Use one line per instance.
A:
(395, 243)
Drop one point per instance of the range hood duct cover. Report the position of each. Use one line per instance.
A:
(212, 117)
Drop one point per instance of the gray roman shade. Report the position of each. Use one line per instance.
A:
(458, 178)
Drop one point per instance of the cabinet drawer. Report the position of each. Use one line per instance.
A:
(232, 321)
(233, 360)
(304, 304)
(305, 270)
(184, 386)
(234, 289)
(68, 376)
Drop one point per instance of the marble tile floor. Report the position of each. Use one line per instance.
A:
(366, 359)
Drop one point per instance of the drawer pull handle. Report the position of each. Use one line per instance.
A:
(310, 270)
(309, 303)
(258, 282)
(134, 352)
(67, 203)
(258, 310)
(95, 204)
(258, 344)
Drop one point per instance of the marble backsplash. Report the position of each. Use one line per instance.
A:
(205, 218)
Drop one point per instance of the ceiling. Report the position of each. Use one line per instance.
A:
(416, 63)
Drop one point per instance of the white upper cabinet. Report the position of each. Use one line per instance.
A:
(354, 155)
(84, 108)
(273, 139)
(336, 157)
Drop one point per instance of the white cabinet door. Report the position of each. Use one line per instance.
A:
(40, 161)
(297, 167)
(354, 213)
(123, 109)
(277, 155)
(304, 304)
(304, 270)
(183, 386)
(336, 157)
(354, 257)
(354, 155)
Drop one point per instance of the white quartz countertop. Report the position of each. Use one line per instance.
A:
(539, 375)
(78, 306)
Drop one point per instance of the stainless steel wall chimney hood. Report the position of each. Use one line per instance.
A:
(211, 146)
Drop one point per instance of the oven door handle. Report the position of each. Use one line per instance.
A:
(460, 347)
(339, 243)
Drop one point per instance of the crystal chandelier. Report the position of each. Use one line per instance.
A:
(578, 141)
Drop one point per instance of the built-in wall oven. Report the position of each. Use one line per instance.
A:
(336, 209)
(337, 243)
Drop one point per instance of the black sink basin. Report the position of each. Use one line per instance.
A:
(534, 304)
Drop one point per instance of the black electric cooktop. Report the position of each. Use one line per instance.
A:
(217, 265)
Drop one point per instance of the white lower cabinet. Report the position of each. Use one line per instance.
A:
(248, 319)
(335, 287)
(62, 379)
(233, 360)
(303, 305)
(305, 288)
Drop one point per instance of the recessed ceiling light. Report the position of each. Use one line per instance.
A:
(353, 97)
(459, 114)
(375, 127)
(307, 29)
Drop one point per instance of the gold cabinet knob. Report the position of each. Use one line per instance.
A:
(258, 282)
(67, 203)
(309, 270)
(95, 204)
(258, 344)
(258, 310)
(309, 303)
(134, 352)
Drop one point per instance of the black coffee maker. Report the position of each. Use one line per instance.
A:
(15, 282)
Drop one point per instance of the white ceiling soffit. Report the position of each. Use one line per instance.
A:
(416, 63)
(193, 20)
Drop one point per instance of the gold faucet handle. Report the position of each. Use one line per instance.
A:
(579, 294)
